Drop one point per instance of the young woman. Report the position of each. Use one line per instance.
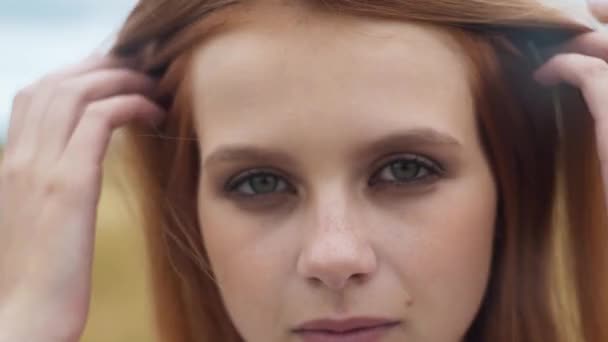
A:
(326, 171)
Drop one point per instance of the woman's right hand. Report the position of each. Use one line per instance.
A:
(50, 184)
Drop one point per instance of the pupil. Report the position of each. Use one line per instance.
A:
(264, 183)
(405, 170)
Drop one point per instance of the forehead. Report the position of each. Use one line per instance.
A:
(272, 33)
(277, 57)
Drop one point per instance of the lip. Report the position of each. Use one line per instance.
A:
(357, 329)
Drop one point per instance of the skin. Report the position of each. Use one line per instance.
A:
(304, 247)
(324, 243)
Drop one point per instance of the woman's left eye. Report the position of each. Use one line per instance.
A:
(407, 170)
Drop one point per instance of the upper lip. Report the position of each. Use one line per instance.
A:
(344, 325)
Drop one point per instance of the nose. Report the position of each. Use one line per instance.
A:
(336, 253)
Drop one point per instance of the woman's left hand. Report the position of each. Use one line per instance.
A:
(583, 63)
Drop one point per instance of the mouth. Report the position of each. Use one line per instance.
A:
(350, 330)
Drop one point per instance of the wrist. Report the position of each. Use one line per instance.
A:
(19, 324)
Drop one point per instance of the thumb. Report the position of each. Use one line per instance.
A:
(599, 8)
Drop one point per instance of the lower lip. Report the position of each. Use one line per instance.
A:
(373, 334)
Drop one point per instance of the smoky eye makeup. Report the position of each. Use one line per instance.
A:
(257, 181)
(407, 170)
(400, 170)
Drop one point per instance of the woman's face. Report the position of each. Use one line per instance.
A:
(342, 179)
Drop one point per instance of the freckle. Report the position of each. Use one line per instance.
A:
(408, 302)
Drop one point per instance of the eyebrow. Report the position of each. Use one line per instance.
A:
(412, 138)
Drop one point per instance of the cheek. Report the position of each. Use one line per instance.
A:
(444, 260)
(250, 261)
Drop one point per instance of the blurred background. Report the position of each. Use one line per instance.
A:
(39, 36)
(36, 37)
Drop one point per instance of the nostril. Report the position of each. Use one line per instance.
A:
(315, 282)
(358, 278)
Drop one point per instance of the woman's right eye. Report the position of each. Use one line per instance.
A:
(256, 183)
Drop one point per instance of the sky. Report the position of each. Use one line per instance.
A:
(39, 36)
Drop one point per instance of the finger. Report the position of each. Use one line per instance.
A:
(93, 62)
(73, 95)
(589, 74)
(18, 109)
(87, 145)
(33, 100)
(591, 44)
(599, 8)
(584, 72)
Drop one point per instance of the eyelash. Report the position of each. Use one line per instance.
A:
(425, 164)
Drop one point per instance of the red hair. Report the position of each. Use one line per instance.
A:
(547, 281)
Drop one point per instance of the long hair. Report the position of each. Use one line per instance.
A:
(547, 281)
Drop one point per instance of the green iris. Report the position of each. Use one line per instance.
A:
(405, 169)
(263, 183)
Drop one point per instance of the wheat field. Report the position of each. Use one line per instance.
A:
(120, 306)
